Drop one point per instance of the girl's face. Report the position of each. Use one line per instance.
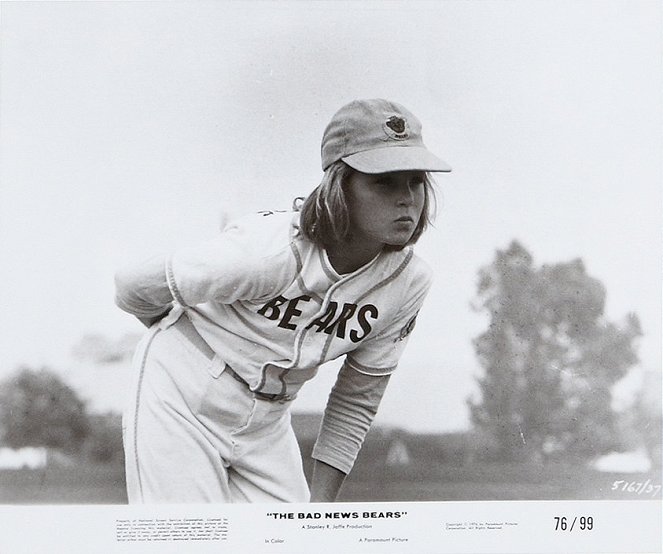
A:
(385, 208)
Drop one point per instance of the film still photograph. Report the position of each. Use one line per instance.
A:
(330, 252)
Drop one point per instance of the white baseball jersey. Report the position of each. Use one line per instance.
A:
(270, 304)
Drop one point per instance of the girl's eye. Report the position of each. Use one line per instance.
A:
(390, 182)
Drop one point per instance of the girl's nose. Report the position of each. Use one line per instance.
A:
(405, 194)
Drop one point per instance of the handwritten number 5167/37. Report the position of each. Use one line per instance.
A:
(582, 523)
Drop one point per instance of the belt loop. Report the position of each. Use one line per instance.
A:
(217, 366)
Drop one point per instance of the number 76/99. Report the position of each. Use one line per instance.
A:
(583, 523)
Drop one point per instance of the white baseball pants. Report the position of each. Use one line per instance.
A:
(192, 433)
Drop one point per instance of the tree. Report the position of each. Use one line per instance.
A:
(648, 417)
(549, 357)
(38, 409)
(104, 441)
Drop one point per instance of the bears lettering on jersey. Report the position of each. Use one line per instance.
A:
(348, 320)
(272, 310)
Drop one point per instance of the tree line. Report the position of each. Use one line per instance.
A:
(38, 409)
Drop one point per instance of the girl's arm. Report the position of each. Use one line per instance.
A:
(149, 321)
(350, 410)
(250, 259)
(326, 483)
(142, 290)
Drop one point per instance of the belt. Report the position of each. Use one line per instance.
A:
(185, 326)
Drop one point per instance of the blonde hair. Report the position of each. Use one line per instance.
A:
(325, 216)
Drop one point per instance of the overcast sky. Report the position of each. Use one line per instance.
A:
(129, 128)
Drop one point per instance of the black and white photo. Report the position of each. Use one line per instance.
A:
(135, 136)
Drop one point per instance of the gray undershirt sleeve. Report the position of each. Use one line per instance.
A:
(350, 410)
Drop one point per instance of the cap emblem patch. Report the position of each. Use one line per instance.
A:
(397, 128)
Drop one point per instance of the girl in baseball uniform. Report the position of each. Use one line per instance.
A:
(238, 324)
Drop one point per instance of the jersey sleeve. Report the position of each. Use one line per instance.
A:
(379, 354)
(141, 289)
(249, 260)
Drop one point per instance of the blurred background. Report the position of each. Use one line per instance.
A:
(129, 128)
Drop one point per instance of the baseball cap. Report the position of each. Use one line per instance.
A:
(377, 136)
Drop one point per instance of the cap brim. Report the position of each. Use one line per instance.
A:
(396, 158)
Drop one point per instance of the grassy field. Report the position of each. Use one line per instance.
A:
(80, 484)
(105, 484)
(486, 481)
